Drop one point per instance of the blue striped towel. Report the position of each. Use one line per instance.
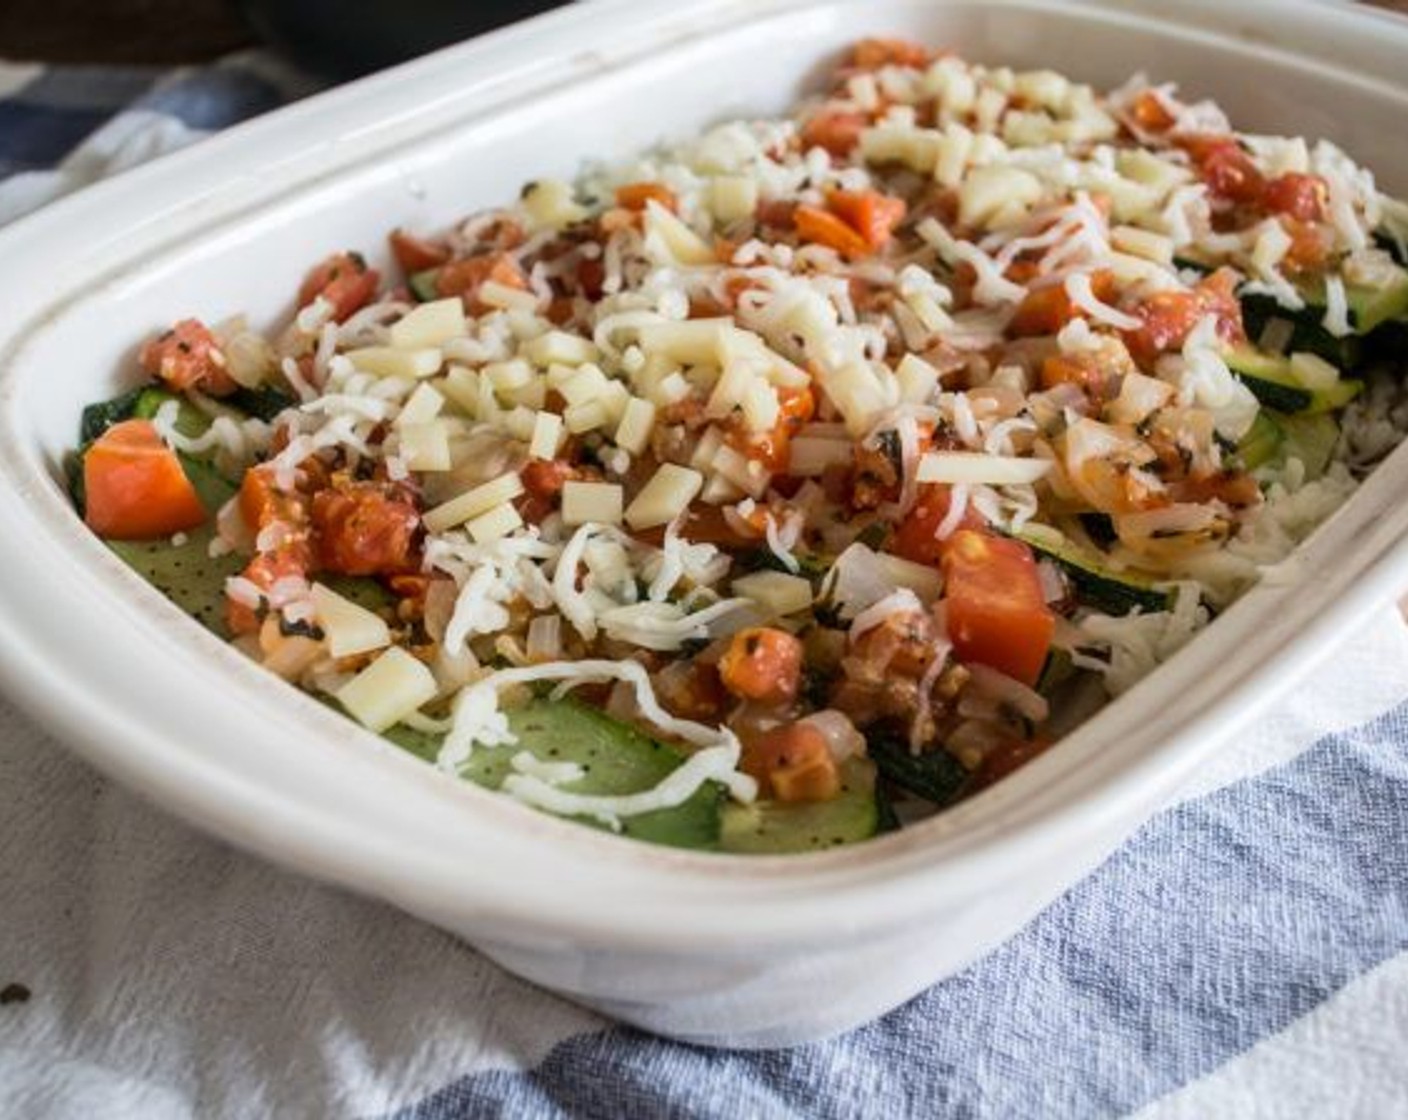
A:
(1244, 954)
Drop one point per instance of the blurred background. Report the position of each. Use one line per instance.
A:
(331, 38)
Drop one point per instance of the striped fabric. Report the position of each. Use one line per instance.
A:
(1245, 954)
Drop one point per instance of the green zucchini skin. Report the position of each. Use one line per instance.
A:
(1093, 584)
(617, 759)
(935, 775)
(423, 285)
(263, 403)
(1262, 443)
(1269, 377)
(185, 573)
(777, 828)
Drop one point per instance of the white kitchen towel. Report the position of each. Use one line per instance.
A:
(1245, 954)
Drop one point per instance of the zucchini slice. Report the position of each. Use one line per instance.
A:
(1270, 378)
(617, 759)
(1369, 305)
(1262, 443)
(1093, 583)
(422, 285)
(1311, 439)
(776, 828)
(140, 403)
(185, 573)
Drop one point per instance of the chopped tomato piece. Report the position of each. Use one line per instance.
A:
(416, 254)
(1081, 370)
(1151, 114)
(465, 277)
(692, 690)
(776, 213)
(1170, 316)
(916, 537)
(365, 528)
(825, 228)
(543, 480)
(134, 487)
(634, 196)
(1303, 197)
(764, 664)
(1311, 245)
(836, 130)
(1046, 310)
(871, 214)
(265, 570)
(997, 614)
(344, 280)
(262, 503)
(1236, 488)
(792, 763)
(773, 448)
(1225, 167)
(188, 356)
(871, 54)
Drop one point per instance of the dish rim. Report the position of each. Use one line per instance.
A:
(1062, 804)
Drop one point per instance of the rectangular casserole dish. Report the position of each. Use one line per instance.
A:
(713, 949)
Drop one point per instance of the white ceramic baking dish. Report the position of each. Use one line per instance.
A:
(721, 950)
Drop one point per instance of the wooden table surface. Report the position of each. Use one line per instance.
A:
(161, 32)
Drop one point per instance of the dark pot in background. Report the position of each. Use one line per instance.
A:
(338, 39)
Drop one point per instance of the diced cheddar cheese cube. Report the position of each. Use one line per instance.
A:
(518, 422)
(560, 348)
(747, 474)
(614, 399)
(532, 394)
(497, 522)
(461, 386)
(637, 421)
(547, 434)
(421, 406)
(664, 497)
(548, 203)
(599, 502)
(474, 502)
(585, 417)
(718, 490)
(670, 389)
(430, 324)
(760, 407)
(493, 294)
(347, 627)
(388, 690)
(679, 242)
(996, 195)
(1138, 242)
(587, 383)
(425, 447)
(917, 379)
(707, 447)
(732, 197)
(689, 342)
(388, 361)
(509, 375)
